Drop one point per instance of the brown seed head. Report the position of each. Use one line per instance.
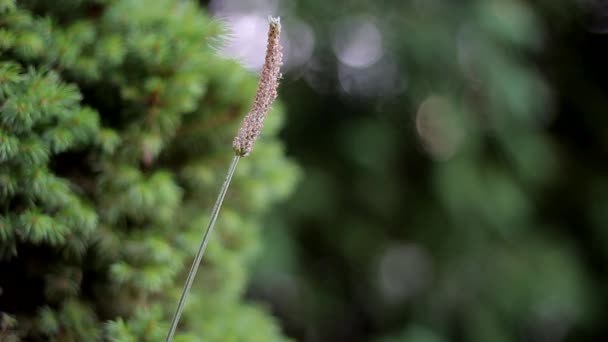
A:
(266, 94)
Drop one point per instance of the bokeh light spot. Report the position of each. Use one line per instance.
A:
(298, 41)
(438, 128)
(404, 270)
(357, 42)
(247, 39)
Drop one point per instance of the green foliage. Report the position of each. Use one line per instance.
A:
(459, 209)
(115, 128)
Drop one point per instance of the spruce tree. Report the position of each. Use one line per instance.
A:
(116, 124)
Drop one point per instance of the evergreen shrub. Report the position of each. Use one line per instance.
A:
(116, 124)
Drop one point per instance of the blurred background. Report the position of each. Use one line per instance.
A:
(454, 182)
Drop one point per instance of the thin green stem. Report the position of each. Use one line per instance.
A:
(201, 249)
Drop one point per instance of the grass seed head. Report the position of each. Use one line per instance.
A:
(266, 94)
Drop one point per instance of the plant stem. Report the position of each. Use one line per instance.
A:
(201, 249)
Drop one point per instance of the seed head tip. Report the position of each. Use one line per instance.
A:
(266, 93)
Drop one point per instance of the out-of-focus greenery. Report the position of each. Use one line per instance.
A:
(467, 202)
